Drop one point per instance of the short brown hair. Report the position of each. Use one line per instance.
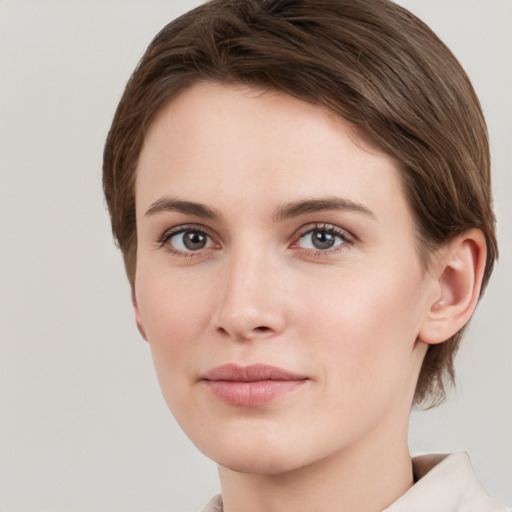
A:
(369, 61)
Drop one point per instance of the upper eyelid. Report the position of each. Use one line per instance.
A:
(308, 228)
(185, 227)
(163, 240)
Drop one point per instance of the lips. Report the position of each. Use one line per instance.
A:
(251, 386)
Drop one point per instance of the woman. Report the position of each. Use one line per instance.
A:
(301, 193)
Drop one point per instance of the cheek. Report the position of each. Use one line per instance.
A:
(365, 329)
(175, 311)
(173, 307)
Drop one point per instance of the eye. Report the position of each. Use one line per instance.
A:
(186, 240)
(323, 238)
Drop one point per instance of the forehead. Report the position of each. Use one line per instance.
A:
(218, 141)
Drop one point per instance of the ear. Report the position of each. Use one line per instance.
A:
(457, 270)
(138, 318)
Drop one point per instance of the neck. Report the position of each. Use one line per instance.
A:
(367, 477)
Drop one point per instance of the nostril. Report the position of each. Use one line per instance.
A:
(262, 328)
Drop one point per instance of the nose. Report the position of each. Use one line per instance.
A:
(251, 299)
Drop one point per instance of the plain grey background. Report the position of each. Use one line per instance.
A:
(82, 424)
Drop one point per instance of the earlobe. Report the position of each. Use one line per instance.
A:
(138, 318)
(458, 269)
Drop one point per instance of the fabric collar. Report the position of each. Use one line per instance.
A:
(445, 483)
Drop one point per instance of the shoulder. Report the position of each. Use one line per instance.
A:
(214, 505)
(446, 483)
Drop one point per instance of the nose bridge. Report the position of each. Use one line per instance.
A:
(249, 303)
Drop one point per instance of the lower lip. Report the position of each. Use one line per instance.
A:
(252, 394)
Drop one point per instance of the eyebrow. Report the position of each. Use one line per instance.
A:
(303, 207)
(169, 204)
(284, 212)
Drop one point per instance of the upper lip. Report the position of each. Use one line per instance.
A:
(251, 373)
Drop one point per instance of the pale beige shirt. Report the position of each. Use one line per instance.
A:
(445, 483)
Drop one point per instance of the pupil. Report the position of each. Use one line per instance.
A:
(323, 240)
(194, 241)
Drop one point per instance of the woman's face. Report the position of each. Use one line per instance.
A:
(278, 281)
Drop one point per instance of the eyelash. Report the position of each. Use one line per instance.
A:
(166, 237)
(346, 239)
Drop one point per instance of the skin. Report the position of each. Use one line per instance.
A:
(350, 319)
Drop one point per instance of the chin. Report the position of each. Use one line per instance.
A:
(258, 460)
(260, 449)
(256, 447)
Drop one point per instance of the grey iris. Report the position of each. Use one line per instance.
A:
(194, 241)
(323, 239)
